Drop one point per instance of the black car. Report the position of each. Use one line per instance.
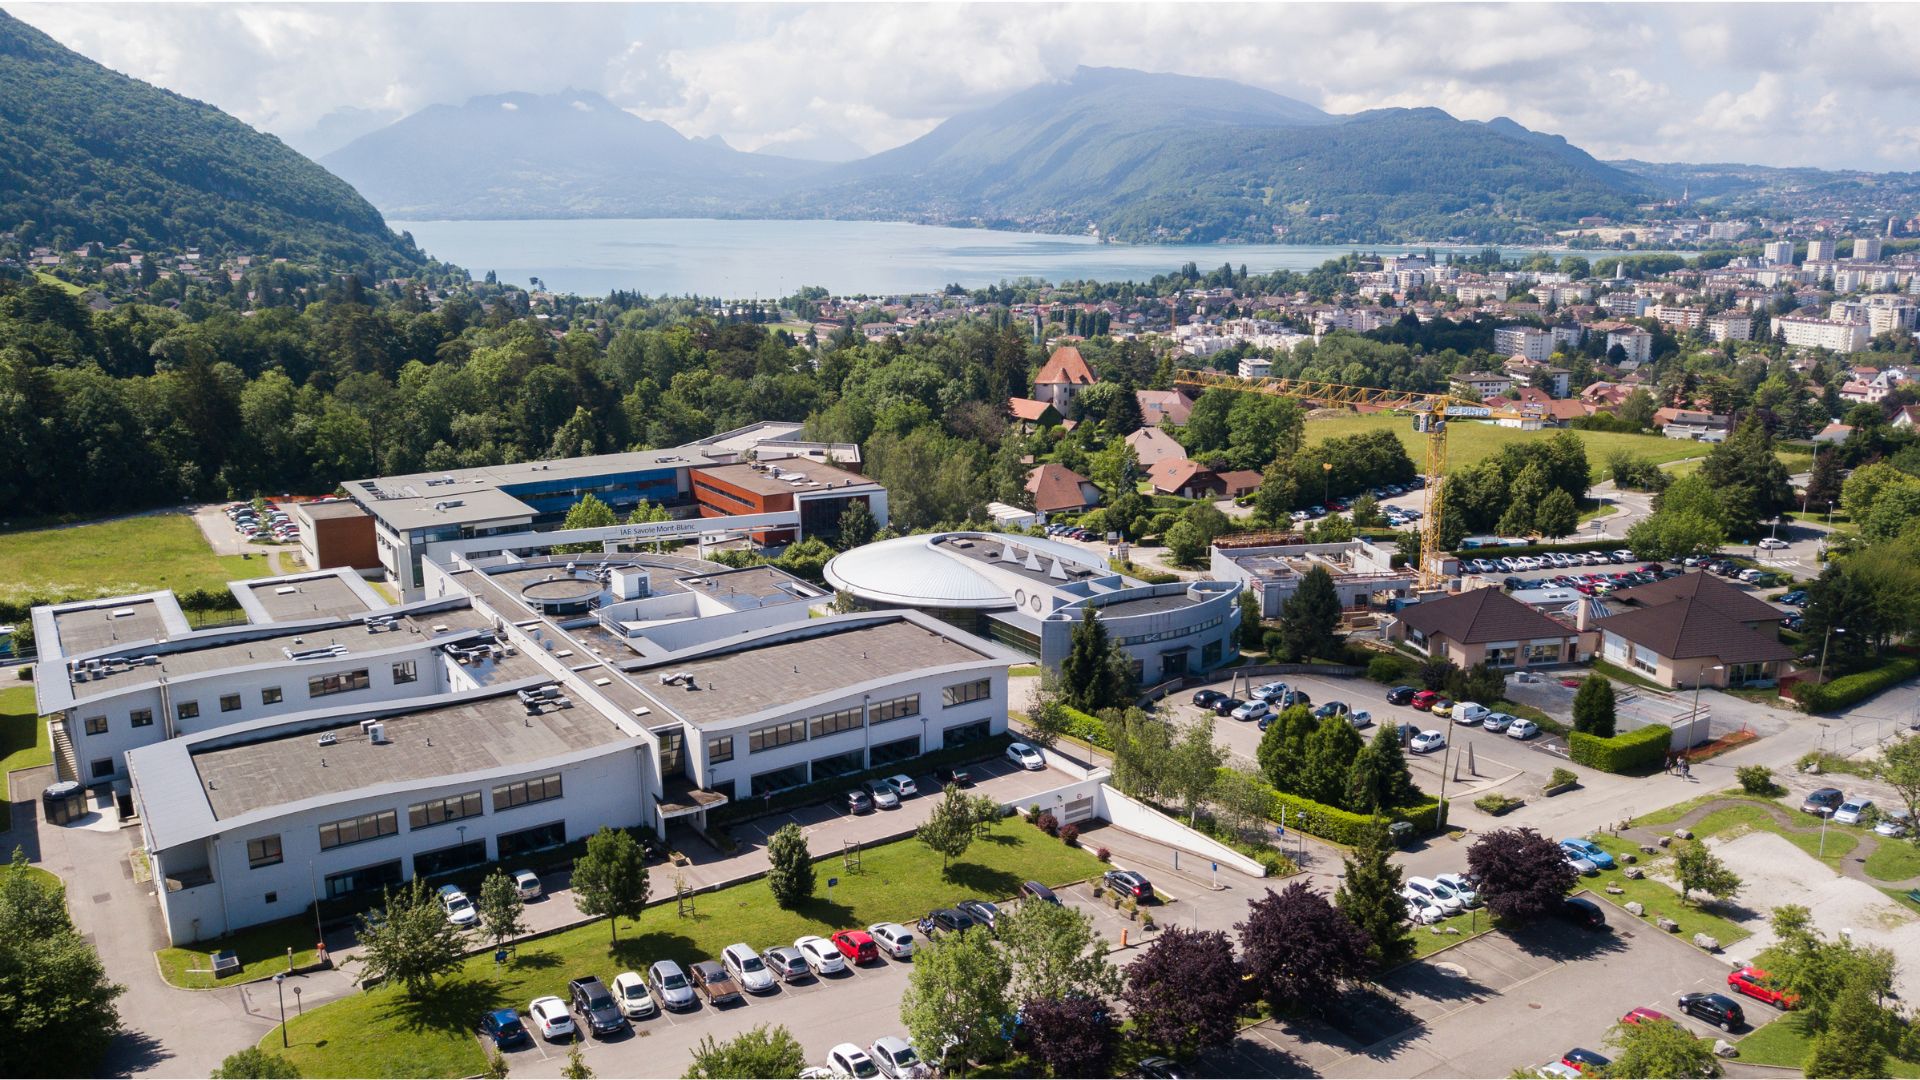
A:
(1582, 912)
(591, 999)
(943, 921)
(503, 1026)
(1823, 802)
(1400, 695)
(1129, 883)
(1717, 1009)
(1033, 890)
(954, 778)
(983, 912)
(1226, 705)
(1290, 698)
(1207, 699)
(1330, 709)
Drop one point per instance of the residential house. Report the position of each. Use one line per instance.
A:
(1485, 626)
(1485, 384)
(1238, 482)
(1693, 630)
(1158, 407)
(1185, 478)
(1692, 424)
(1032, 413)
(1834, 434)
(1057, 489)
(1062, 378)
(1153, 446)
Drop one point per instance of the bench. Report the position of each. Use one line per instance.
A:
(1914, 895)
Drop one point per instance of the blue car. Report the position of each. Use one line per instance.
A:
(503, 1026)
(1589, 851)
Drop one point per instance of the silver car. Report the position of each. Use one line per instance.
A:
(747, 968)
(896, 1058)
(786, 963)
(670, 986)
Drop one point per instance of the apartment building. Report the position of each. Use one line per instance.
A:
(1531, 342)
(1809, 332)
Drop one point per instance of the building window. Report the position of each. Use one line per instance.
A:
(514, 844)
(880, 712)
(365, 879)
(141, 717)
(890, 752)
(102, 767)
(962, 693)
(229, 702)
(337, 683)
(405, 672)
(439, 811)
(827, 768)
(273, 898)
(263, 852)
(719, 749)
(187, 710)
(96, 725)
(354, 830)
(775, 735)
(834, 723)
(522, 792)
(270, 696)
(780, 779)
(966, 733)
(471, 853)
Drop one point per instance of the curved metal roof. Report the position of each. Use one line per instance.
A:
(911, 571)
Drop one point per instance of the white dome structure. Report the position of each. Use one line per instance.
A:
(954, 570)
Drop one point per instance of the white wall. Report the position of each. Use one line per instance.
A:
(1139, 818)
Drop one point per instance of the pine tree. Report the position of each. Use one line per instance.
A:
(789, 866)
(1370, 896)
(1380, 778)
(1330, 752)
(1852, 1045)
(1310, 619)
(1593, 709)
(1823, 485)
(1251, 629)
(1086, 673)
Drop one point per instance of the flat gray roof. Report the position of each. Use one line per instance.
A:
(1148, 605)
(307, 598)
(757, 677)
(86, 629)
(327, 509)
(753, 587)
(470, 737)
(762, 481)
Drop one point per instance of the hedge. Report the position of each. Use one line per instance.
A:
(1629, 752)
(1142, 574)
(1847, 689)
(1088, 728)
(1345, 826)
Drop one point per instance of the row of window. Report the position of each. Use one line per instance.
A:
(725, 496)
(424, 815)
(962, 693)
(1169, 635)
(786, 732)
(404, 671)
(511, 845)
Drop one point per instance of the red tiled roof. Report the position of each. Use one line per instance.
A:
(1240, 481)
(1056, 487)
(1065, 366)
(1153, 446)
(1164, 406)
(1172, 474)
(1030, 410)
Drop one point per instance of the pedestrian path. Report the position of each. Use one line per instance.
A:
(1852, 866)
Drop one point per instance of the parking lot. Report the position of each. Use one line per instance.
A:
(1490, 1006)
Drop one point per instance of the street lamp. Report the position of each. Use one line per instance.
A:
(1697, 682)
(1828, 640)
(1326, 481)
(280, 987)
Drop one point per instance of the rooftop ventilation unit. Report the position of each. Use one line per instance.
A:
(323, 653)
(121, 613)
(285, 590)
(328, 739)
(448, 504)
(377, 733)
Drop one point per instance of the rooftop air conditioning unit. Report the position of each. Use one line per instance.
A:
(329, 739)
(377, 733)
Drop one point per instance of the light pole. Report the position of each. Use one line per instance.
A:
(1828, 640)
(1697, 681)
(280, 988)
(1326, 481)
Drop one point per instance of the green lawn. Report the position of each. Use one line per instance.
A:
(1840, 840)
(383, 1033)
(1785, 1043)
(24, 741)
(140, 554)
(61, 283)
(1471, 442)
(262, 951)
(1620, 674)
(1667, 815)
(1471, 924)
(1658, 898)
(1893, 860)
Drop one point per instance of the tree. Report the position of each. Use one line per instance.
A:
(1367, 513)
(1299, 949)
(1185, 991)
(789, 866)
(1251, 629)
(1310, 619)
(1241, 801)
(1282, 752)
(1141, 744)
(611, 878)
(1675, 534)
(1052, 952)
(588, 513)
(1380, 778)
(759, 1053)
(1075, 1037)
(1593, 706)
(1853, 1043)
(254, 1063)
(857, 525)
(1814, 969)
(1184, 543)
(1698, 869)
(1086, 673)
(1556, 516)
(1048, 719)
(1900, 769)
(54, 992)
(1753, 479)
(949, 830)
(1659, 1049)
(1327, 761)
(500, 908)
(956, 998)
(1824, 482)
(416, 944)
(1369, 896)
(576, 1067)
(1522, 875)
(1193, 766)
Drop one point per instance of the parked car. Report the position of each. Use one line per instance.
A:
(747, 968)
(1893, 823)
(1582, 912)
(943, 921)
(1206, 699)
(1585, 1061)
(1227, 705)
(984, 912)
(859, 802)
(823, 956)
(1772, 543)
(1033, 890)
(1470, 712)
(594, 1003)
(1422, 911)
(1025, 756)
(1522, 729)
(902, 785)
(787, 963)
(856, 945)
(1427, 742)
(630, 990)
(460, 910)
(1496, 721)
(527, 884)
(715, 983)
(1461, 887)
(1580, 863)
(669, 985)
(503, 1028)
(883, 795)
(1401, 695)
(549, 1015)
(1360, 719)
(1640, 1014)
(1291, 697)
(894, 939)
(1852, 810)
(1557, 1070)
(1442, 706)
(1824, 801)
(1330, 709)
(1252, 710)
(1796, 598)
(954, 778)
(1129, 883)
(1423, 700)
(1590, 851)
(1436, 894)
(1717, 1009)
(1757, 984)
(896, 1058)
(848, 1060)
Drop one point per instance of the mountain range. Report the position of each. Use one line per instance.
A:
(1138, 156)
(89, 155)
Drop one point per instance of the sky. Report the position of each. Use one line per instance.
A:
(1777, 84)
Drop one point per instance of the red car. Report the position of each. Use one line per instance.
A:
(1424, 700)
(1756, 984)
(856, 945)
(1644, 1015)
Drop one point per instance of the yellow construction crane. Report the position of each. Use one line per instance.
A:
(1430, 414)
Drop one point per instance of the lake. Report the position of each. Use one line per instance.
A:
(767, 259)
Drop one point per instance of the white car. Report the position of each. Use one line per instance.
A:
(1623, 554)
(1522, 729)
(1252, 710)
(1269, 691)
(549, 1016)
(1420, 909)
(527, 884)
(1772, 543)
(1025, 756)
(1427, 742)
(1460, 887)
(1892, 823)
(630, 990)
(1558, 1070)
(746, 968)
(1470, 712)
(822, 956)
(1496, 721)
(1850, 811)
(902, 785)
(894, 939)
(460, 910)
(897, 1059)
(1436, 894)
(1360, 718)
(850, 1061)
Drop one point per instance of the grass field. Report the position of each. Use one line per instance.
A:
(1785, 1043)
(1470, 924)
(1747, 814)
(1893, 860)
(262, 951)
(138, 554)
(1658, 898)
(48, 279)
(385, 1033)
(24, 742)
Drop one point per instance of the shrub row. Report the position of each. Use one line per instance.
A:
(1639, 751)
(1847, 689)
(1345, 826)
(823, 790)
(1088, 728)
(1141, 573)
